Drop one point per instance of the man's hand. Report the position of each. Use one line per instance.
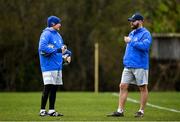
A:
(64, 48)
(66, 57)
(127, 39)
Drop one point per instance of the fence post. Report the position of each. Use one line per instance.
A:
(96, 68)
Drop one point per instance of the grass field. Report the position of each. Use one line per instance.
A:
(87, 106)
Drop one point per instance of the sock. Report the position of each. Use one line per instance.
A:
(45, 94)
(52, 97)
(51, 111)
(120, 110)
(42, 110)
(142, 111)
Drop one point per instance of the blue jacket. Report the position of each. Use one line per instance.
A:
(137, 50)
(50, 58)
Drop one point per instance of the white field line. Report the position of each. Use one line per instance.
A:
(151, 105)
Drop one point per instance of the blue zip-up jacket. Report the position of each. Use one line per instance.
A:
(50, 41)
(137, 50)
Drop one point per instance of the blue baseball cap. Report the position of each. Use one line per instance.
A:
(136, 16)
(53, 20)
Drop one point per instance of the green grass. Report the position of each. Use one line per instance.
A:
(86, 106)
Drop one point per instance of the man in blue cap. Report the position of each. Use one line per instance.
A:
(136, 64)
(51, 51)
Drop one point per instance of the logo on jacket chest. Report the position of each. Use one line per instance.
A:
(58, 42)
(135, 39)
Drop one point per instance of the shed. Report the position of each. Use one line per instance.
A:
(166, 46)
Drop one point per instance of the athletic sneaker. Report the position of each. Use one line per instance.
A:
(116, 114)
(139, 114)
(43, 113)
(55, 114)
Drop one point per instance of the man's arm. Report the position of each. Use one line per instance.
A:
(45, 48)
(144, 44)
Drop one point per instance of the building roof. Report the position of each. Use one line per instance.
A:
(165, 35)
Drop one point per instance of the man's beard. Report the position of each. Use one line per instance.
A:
(135, 26)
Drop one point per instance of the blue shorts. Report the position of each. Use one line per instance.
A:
(134, 76)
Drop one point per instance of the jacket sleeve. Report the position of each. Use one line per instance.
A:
(144, 44)
(44, 47)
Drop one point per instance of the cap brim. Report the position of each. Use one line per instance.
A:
(130, 19)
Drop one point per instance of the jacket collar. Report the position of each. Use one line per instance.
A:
(139, 30)
(50, 29)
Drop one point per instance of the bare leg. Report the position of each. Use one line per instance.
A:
(123, 95)
(144, 96)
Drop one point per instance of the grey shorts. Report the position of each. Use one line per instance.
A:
(52, 77)
(134, 76)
